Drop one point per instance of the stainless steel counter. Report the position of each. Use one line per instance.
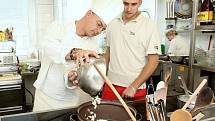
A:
(198, 76)
(53, 115)
(206, 68)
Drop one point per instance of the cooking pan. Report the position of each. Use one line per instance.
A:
(106, 110)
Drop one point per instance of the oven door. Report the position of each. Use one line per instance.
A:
(12, 97)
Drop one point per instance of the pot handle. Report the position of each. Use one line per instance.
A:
(139, 117)
(74, 117)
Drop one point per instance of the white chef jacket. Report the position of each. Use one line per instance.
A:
(130, 43)
(61, 38)
(179, 46)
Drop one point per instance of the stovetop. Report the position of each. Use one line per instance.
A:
(62, 114)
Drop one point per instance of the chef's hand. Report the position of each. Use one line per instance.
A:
(129, 92)
(82, 56)
(72, 77)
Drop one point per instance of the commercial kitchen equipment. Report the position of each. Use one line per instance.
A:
(11, 85)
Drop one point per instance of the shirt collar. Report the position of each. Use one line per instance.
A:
(119, 17)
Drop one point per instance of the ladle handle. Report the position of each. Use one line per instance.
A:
(198, 116)
(167, 75)
(104, 77)
(181, 78)
(195, 93)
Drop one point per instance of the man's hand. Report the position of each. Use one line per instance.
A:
(129, 92)
(82, 56)
(72, 77)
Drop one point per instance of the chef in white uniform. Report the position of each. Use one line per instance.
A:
(59, 45)
(179, 46)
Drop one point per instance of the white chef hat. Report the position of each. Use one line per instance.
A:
(77, 10)
(100, 13)
(103, 9)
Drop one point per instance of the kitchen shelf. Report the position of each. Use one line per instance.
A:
(9, 68)
(7, 41)
(11, 64)
(195, 29)
(183, 31)
(205, 28)
(206, 68)
(178, 19)
(170, 18)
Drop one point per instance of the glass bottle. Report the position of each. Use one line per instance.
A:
(213, 11)
(205, 15)
(212, 56)
(6, 34)
(199, 5)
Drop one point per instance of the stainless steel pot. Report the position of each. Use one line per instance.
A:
(106, 110)
(90, 80)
